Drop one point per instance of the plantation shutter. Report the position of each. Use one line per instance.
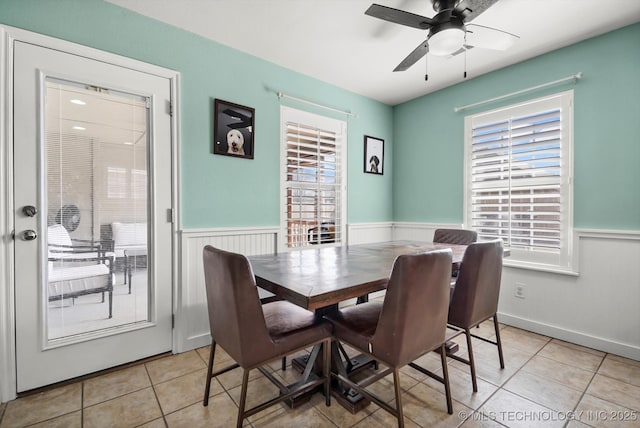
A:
(312, 185)
(516, 178)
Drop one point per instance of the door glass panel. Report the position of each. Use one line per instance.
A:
(96, 151)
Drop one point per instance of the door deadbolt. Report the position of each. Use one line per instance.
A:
(29, 210)
(29, 235)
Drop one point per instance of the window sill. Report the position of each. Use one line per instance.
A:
(560, 270)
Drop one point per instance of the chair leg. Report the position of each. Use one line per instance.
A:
(398, 393)
(207, 388)
(284, 363)
(498, 340)
(110, 303)
(243, 397)
(124, 273)
(471, 361)
(129, 273)
(445, 378)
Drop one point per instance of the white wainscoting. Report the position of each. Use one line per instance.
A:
(598, 308)
(367, 233)
(419, 231)
(192, 320)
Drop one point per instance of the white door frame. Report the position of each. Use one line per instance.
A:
(8, 35)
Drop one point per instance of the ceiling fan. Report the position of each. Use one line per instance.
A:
(449, 31)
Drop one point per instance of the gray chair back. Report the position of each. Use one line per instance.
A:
(236, 318)
(455, 236)
(475, 297)
(413, 318)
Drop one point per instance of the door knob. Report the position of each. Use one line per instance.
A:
(29, 235)
(29, 210)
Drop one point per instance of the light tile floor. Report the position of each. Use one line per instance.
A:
(546, 382)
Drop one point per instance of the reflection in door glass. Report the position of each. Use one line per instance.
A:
(96, 145)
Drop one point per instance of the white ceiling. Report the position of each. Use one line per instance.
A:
(334, 41)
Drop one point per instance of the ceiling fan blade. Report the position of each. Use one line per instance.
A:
(489, 38)
(398, 16)
(470, 9)
(413, 57)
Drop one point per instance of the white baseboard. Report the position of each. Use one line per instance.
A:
(599, 343)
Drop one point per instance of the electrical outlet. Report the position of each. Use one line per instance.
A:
(519, 290)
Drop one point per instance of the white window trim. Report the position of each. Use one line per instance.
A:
(565, 261)
(288, 114)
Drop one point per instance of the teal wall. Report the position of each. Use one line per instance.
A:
(428, 137)
(423, 178)
(220, 191)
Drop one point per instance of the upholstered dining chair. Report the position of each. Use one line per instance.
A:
(455, 236)
(475, 297)
(254, 334)
(410, 322)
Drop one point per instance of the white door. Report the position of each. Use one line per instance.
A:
(93, 232)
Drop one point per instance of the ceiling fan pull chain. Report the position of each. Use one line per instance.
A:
(465, 64)
(465, 55)
(426, 68)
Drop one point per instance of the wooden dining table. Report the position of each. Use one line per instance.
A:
(318, 279)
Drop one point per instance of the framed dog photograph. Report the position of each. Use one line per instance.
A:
(233, 129)
(373, 155)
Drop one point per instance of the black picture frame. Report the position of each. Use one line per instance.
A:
(373, 155)
(233, 129)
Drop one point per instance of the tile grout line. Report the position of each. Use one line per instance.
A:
(587, 387)
(82, 404)
(501, 387)
(155, 394)
(560, 362)
(498, 387)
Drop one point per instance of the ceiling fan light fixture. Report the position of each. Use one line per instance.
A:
(446, 41)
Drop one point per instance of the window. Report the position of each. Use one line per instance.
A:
(313, 179)
(139, 183)
(518, 179)
(116, 182)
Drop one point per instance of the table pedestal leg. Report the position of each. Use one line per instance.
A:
(346, 397)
